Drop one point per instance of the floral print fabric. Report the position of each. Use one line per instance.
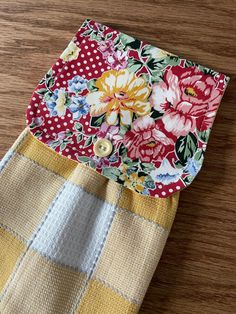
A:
(156, 108)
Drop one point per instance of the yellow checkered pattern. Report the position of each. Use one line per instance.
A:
(71, 240)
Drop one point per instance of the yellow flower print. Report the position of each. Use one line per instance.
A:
(120, 93)
(60, 107)
(133, 181)
(71, 52)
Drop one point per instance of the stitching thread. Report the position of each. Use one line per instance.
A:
(21, 259)
(99, 251)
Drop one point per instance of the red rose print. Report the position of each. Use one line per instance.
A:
(146, 142)
(184, 96)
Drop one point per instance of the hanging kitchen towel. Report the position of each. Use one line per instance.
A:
(89, 191)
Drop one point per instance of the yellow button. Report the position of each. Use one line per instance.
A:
(102, 147)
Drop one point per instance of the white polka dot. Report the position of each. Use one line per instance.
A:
(65, 123)
(72, 142)
(89, 129)
(100, 63)
(72, 66)
(56, 119)
(71, 121)
(159, 186)
(177, 187)
(61, 75)
(74, 72)
(69, 156)
(102, 70)
(58, 126)
(96, 72)
(80, 146)
(51, 128)
(95, 51)
(59, 70)
(47, 136)
(34, 98)
(86, 123)
(47, 115)
(57, 84)
(85, 61)
(57, 63)
(49, 122)
(64, 82)
(62, 118)
(171, 190)
(108, 67)
(83, 41)
(90, 150)
(38, 111)
(66, 67)
(54, 134)
(69, 115)
(163, 193)
(68, 74)
(67, 150)
(87, 68)
(86, 47)
(45, 130)
(79, 64)
(83, 152)
(36, 105)
(97, 57)
(92, 45)
(73, 148)
(82, 55)
(44, 109)
(89, 74)
(29, 107)
(91, 59)
(93, 65)
(81, 70)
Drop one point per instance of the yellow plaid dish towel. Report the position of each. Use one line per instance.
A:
(89, 190)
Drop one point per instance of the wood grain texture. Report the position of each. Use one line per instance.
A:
(197, 272)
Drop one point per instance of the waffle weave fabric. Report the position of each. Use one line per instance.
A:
(72, 240)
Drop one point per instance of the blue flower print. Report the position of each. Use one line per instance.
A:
(57, 103)
(78, 107)
(77, 84)
(192, 167)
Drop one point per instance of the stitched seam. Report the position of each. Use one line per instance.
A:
(89, 193)
(119, 292)
(49, 258)
(21, 258)
(13, 232)
(147, 221)
(99, 251)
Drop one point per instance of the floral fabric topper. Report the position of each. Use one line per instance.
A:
(156, 108)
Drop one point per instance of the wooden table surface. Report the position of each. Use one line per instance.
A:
(197, 272)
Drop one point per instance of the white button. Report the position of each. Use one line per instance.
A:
(102, 147)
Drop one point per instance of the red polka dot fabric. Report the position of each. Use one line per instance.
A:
(156, 109)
